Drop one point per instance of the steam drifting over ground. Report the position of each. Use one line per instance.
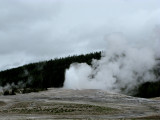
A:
(132, 45)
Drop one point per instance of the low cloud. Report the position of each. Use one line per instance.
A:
(46, 29)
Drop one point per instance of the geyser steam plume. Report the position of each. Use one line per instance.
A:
(131, 37)
(123, 66)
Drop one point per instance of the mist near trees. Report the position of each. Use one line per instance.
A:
(52, 73)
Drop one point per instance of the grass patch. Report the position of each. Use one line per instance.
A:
(58, 109)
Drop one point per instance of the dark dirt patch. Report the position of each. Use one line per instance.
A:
(2, 103)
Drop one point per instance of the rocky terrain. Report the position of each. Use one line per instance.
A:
(77, 104)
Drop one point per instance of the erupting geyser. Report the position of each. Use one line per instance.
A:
(122, 67)
(131, 34)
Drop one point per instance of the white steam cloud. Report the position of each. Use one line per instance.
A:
(132, 41)
(123, 66)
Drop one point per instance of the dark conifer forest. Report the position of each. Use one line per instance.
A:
(42, 75)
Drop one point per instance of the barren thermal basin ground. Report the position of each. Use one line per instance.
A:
(77, 104)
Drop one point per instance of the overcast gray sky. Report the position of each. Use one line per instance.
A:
(34, 30)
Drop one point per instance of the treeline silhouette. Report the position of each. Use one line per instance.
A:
(42, 75)
(150, 89)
